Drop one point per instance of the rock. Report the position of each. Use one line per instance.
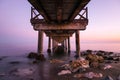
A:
(116, 59)
(35, 61)
(76, 65)
(94, 60)
(107, 67)
(40, 57)
(108, 78)
(0, 59)
(89, 51)
(49, 50)
(110, 58)
(76, 56)
(78, 75)
(2, 74)
(32, 55)
(94, 64)
(89, 75)
(22, 72)
(14, 62)
(100, 59)
(64, 72)
(118, 78)
(56, 61)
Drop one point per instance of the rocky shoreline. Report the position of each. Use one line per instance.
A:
(92, 65)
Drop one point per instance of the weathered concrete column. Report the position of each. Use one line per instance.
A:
(69, 45)
(54, 45)
(65, 46)
(65, 42)
(77, 43)
(40, 42)
(49, 45)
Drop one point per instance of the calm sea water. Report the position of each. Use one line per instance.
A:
(20, 50)
(114, 47)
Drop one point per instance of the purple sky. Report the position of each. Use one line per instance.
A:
(16, 30)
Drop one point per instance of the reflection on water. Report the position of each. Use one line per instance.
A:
(12, 66)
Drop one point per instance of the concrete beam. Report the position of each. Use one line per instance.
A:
(75, 25)
(59, 35)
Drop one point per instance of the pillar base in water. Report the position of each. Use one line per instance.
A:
(49, 50)
(40, 57)
(59, 50)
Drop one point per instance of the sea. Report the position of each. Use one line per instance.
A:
(14, 64)
(14, 50)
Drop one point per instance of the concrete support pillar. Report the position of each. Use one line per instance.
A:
(40, 42)
(49, 45)
(77, 44)
(66, 44)
(63, 44)
(54, 44)
(69, 45)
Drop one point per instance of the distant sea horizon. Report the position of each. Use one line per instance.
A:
(8, 50)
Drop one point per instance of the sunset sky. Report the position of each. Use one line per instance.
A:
(17, 33)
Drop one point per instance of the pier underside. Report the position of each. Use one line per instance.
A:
(59, 19)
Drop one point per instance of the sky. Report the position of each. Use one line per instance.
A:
(17, 34)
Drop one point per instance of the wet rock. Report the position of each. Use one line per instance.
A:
(110, 58)
(2, 74)
(14, 62)
(89, 75)
(3, 57)
(110, 53)
(107, 67)
(56, 61)
(35, 61)
(89, 51)
(49, 50)
(118, 78)
(94, 64)
(40, 57)
(59, 50)
(32, 55)
(108, 78)
(22, 72)
(94, 60)
(31, 79)
(0, 59)
(63, 72)
(76, 56)
(76, 65)
(116, 59)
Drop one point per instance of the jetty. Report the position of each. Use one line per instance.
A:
(59, 19)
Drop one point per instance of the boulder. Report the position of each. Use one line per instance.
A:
(40, 57)
(108, 78)
(32, 55)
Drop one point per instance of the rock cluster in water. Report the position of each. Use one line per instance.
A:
(33, 55)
